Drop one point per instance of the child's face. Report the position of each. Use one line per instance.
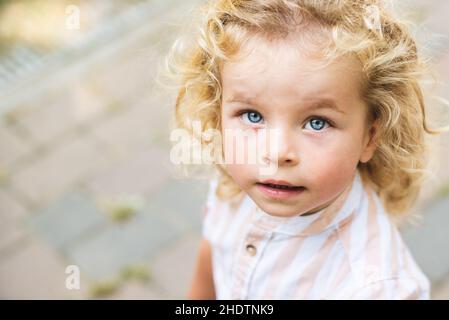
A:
(277, 87)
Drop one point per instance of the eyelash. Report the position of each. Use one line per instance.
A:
(245, 111)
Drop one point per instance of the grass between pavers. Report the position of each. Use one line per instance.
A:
(103, 289)
(443, 192)
(3, 176)
(122, 208)
(115, 106)
(10, 117)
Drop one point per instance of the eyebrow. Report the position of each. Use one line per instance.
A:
(323, 103)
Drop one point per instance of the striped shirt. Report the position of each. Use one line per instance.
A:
(348, 250)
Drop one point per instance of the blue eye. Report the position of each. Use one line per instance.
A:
(252, 116)
(317, 124)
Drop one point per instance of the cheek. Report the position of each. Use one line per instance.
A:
(241, 174)
(330, 179)
(240, 155)
(331, 167)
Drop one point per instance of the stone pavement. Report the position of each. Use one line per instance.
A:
(85, 178)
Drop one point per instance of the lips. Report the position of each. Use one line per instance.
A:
(279, 189)
(279, 184)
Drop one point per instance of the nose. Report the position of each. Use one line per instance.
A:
(284, 149)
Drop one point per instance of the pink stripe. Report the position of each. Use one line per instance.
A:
(344, 268)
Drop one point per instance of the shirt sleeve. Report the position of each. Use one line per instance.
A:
(402, 288)
(209, 209)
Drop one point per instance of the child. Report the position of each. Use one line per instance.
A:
(338, 83)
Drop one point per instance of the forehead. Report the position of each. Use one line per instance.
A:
(286, 70)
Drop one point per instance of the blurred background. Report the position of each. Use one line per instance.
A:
(85, 176)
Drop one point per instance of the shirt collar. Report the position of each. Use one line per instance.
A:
(344, 207)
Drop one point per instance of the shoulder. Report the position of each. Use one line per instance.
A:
(210, 207)
(219, 216)
(211, 197)
(398, 288)
(380, 262)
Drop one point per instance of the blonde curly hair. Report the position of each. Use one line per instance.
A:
(390, 62)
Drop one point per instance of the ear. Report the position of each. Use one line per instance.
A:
(369, 142)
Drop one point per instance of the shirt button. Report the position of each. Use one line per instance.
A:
(251, 249)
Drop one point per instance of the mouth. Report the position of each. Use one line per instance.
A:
(279, 189)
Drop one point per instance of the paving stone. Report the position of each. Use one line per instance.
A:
(65, 221)
(136, 127)
(12, 146)
(441, 292)
(133, 72)
(12, 214)
(9, 206)
(61, 112)
(104, 255)
(139, 174)
(443, 170)
(428, 242)
(173, 267)
(183, 198)
(11, 231)
(36, 272)
(438, 179)
(50, 175)
(437, 21)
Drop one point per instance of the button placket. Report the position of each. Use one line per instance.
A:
(247, 259)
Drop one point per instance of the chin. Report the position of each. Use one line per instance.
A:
(278, 209)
